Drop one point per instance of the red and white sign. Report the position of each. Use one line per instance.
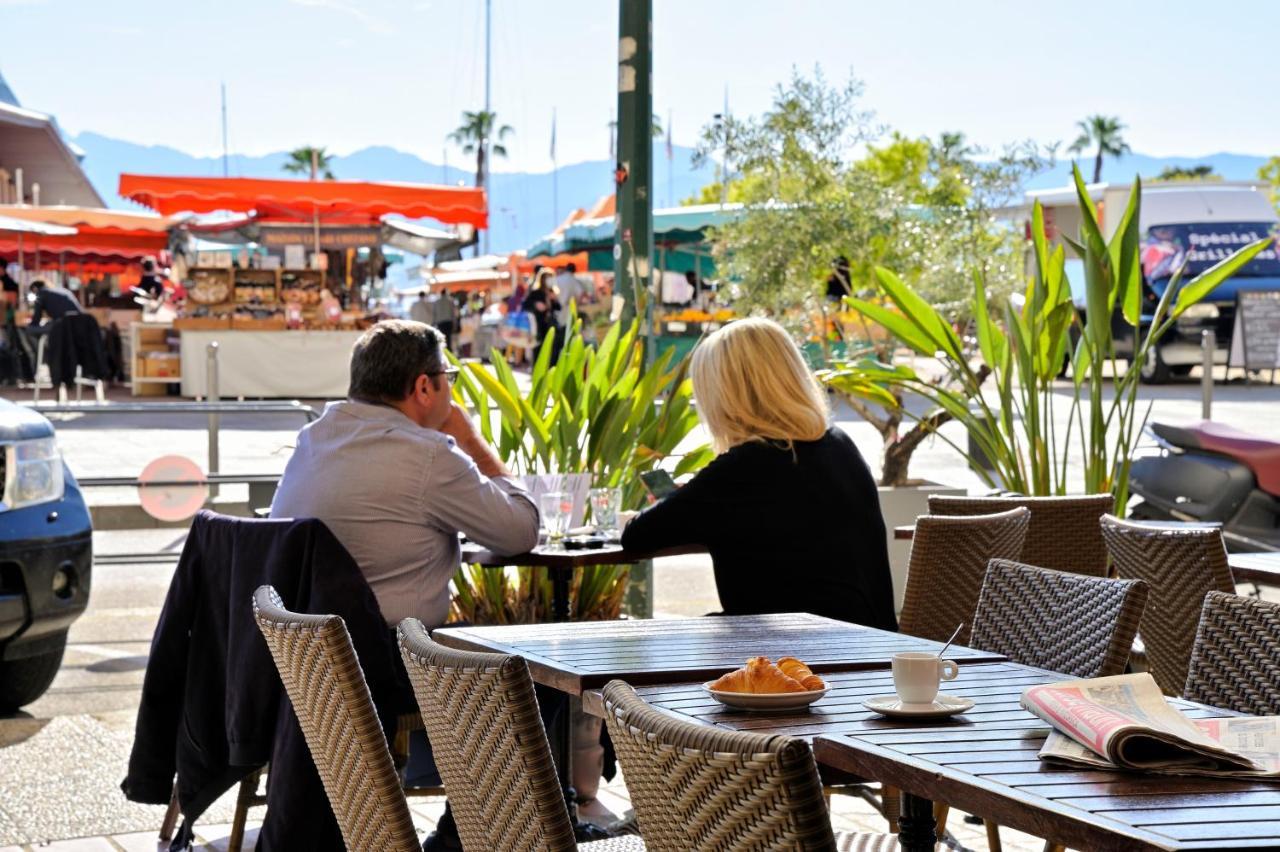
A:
(179, 489)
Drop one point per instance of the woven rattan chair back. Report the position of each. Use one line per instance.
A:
(696, 788)
(1180, 566)
(1068, 623)
(323, 679)
(482, 719)
(1235, 662)
(948, 563)
(1064, 533)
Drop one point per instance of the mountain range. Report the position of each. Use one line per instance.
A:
(521, 208)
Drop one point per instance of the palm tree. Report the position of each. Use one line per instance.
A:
(309, 160)
(471, 135)
(1203, 171)
(1103, 131)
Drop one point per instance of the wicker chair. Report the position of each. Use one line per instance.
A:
(323, 679)
(1180, 566)
(1063, 535)
(490, 747)
(1235, 663)
(1079, 626)
(948, 562)
(697, 788)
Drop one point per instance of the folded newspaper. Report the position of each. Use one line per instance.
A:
(1124, 722)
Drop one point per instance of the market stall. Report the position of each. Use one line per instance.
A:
(287, 297)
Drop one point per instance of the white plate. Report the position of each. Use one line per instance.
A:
(944, 705)
(776, 701)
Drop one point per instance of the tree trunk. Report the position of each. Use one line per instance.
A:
(1097, 167)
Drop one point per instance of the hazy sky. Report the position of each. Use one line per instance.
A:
(1187, 77)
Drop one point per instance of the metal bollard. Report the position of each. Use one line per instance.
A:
(1208, 345)
(211, 395)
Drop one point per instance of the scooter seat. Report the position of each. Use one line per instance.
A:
(1261, 455)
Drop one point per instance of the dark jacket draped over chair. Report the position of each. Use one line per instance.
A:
(213, 707)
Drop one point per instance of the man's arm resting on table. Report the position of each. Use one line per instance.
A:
(473, 491)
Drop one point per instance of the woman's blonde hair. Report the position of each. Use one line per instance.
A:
(752, 384)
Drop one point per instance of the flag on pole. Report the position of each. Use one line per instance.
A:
(671, 151)
(553, 134)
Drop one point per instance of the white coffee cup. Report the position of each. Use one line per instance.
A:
(916, 675)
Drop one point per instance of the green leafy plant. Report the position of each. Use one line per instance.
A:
(597, 410)
(1013, 423)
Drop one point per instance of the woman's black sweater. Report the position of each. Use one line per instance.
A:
(789, 530)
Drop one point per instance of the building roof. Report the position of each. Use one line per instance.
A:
(31, 141)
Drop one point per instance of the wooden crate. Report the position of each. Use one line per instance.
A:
(199, 277)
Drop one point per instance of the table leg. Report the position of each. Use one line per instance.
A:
(916, 825)
(561, 577)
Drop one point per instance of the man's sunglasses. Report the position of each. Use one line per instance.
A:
(450, 373)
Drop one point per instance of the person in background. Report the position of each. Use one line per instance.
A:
(420, 311)
(543, 304)
(571, 287)
(444, 316)
(788, 508)
(54, 301)
(151, 283)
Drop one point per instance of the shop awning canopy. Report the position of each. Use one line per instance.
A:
(10, 226)
(91, 234)
(300, 200)
(671, 226)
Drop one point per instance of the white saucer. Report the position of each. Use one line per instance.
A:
(775, 701)
(944, 705)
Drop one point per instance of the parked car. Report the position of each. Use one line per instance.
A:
(46, 555)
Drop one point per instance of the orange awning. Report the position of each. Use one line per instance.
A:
(301, 199)
(101, 235)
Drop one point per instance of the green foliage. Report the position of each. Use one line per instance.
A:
(922, 207)
(1270, 172)
(1023, 351)
(597, 410)
(302, 160)
(1198, 172)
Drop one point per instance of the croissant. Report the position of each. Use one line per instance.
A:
(797, 670)
(758, 676)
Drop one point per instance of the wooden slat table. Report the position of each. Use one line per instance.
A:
(561, 564)
(985, 762)
(1261, 569)
(580, 656)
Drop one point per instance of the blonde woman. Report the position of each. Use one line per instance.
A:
(788, 508)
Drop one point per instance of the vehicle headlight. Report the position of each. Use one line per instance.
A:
(34, 473)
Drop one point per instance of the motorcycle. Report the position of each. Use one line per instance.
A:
(1211, 472)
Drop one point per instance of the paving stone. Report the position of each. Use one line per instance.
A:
(81, 844)
(140, 841)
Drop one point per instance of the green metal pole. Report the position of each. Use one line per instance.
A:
(633, 236)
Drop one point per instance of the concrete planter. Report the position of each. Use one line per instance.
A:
(900, 507)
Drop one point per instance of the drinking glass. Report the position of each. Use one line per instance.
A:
(604, 508)
(556, 508)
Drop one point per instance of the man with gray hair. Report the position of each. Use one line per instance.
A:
(397, 470)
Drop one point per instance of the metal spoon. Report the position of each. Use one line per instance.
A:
(952, 639)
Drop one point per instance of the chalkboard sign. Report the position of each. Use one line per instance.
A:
(1255, 339)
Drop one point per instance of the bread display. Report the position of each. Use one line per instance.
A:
(762, 676)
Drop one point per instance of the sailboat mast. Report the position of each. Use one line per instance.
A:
(488, 109)
(225, 170)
